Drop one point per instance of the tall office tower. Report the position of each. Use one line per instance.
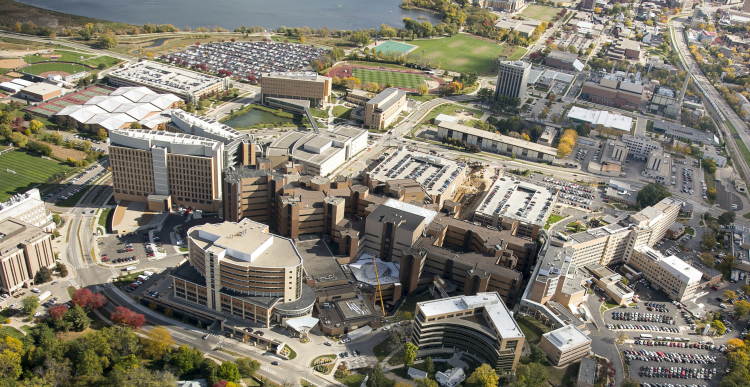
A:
(511, 79)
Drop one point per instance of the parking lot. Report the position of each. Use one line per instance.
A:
(672, 365)
(124, 251)
(247, 59)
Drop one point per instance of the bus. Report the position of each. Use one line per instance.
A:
(647, 337)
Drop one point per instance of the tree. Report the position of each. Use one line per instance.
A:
(10, 364)
(187, 359)
(707, 259)
(35, 126)
(734, 344)
(729, 295)
(61, 269)
(57, 312)
(43, 275)
(30, 303)
(82, 297)
(426, 382)
(483, 376)
(711, 193)
(651, 194)
(741, 308)
(709, 165)
(228, 371)
(719, 327)
(77, 318)
(485, 94)
(727, 218)
(17, 139)
(107, 40)
(422, 89)
(89, 364)
(410, 354)
(247, 367)
(377, 378)
(126, 317)
(537, 354)
(159, 342)
(136, 125)
(745, 289)
(429, 365)
(709, 240)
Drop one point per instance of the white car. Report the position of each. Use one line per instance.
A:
(37, 314)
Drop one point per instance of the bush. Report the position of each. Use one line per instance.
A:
(39, 148)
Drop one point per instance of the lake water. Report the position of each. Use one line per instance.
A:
(257, 116)
(230, 14)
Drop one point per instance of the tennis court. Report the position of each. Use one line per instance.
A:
(390, 45)
(397, 79)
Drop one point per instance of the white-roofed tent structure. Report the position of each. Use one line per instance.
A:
(302, 325)
(600, 117)
(120, 109)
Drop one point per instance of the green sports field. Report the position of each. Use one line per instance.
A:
(460, 52)
(30, 171)
(405, 80)
(540, 12)
(393, 46)
(44, 67)
(66, 56)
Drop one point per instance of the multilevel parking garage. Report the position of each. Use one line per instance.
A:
(439, 177)
(512, 198)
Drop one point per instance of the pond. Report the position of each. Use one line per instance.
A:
(157, 43)
(256, 116)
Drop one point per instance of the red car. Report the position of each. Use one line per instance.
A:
(603, 299)
(715, 287)
(129, 249)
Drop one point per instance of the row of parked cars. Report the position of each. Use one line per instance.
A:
(643, 327)
(672, 357)
(643, 317)
(677, 372)
(142, 278)
(75, 191)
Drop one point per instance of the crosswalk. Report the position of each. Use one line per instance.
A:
(73, 283)
(83, 266)
(269, 370)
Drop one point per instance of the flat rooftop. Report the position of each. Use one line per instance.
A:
(479, 133)
(246, 243)
(497, 312)
(431, 172)
(297, 75)
(13, 232)
(518, 199)
(319, 262)
(567, 337)
(175, 79)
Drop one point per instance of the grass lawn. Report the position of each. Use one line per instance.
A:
(125, 279)
(63, 56)
(532, 329)
(559, 375)
(410, 304)
(405, 80)
(104, 217)
(342, 112)
(292, 354)
(353, 380)
(689, 230)
(381, 350)
(460, 52)
(75, 57)
(12, 332)
(552, 220)
(520, 52)
(540, 12)
(30, 171)
(44, 67)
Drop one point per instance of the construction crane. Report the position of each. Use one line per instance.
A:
(377, 277)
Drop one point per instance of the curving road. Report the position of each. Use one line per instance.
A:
(724, 110)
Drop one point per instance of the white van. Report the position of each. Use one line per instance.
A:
(35, 290)
(148, 273)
